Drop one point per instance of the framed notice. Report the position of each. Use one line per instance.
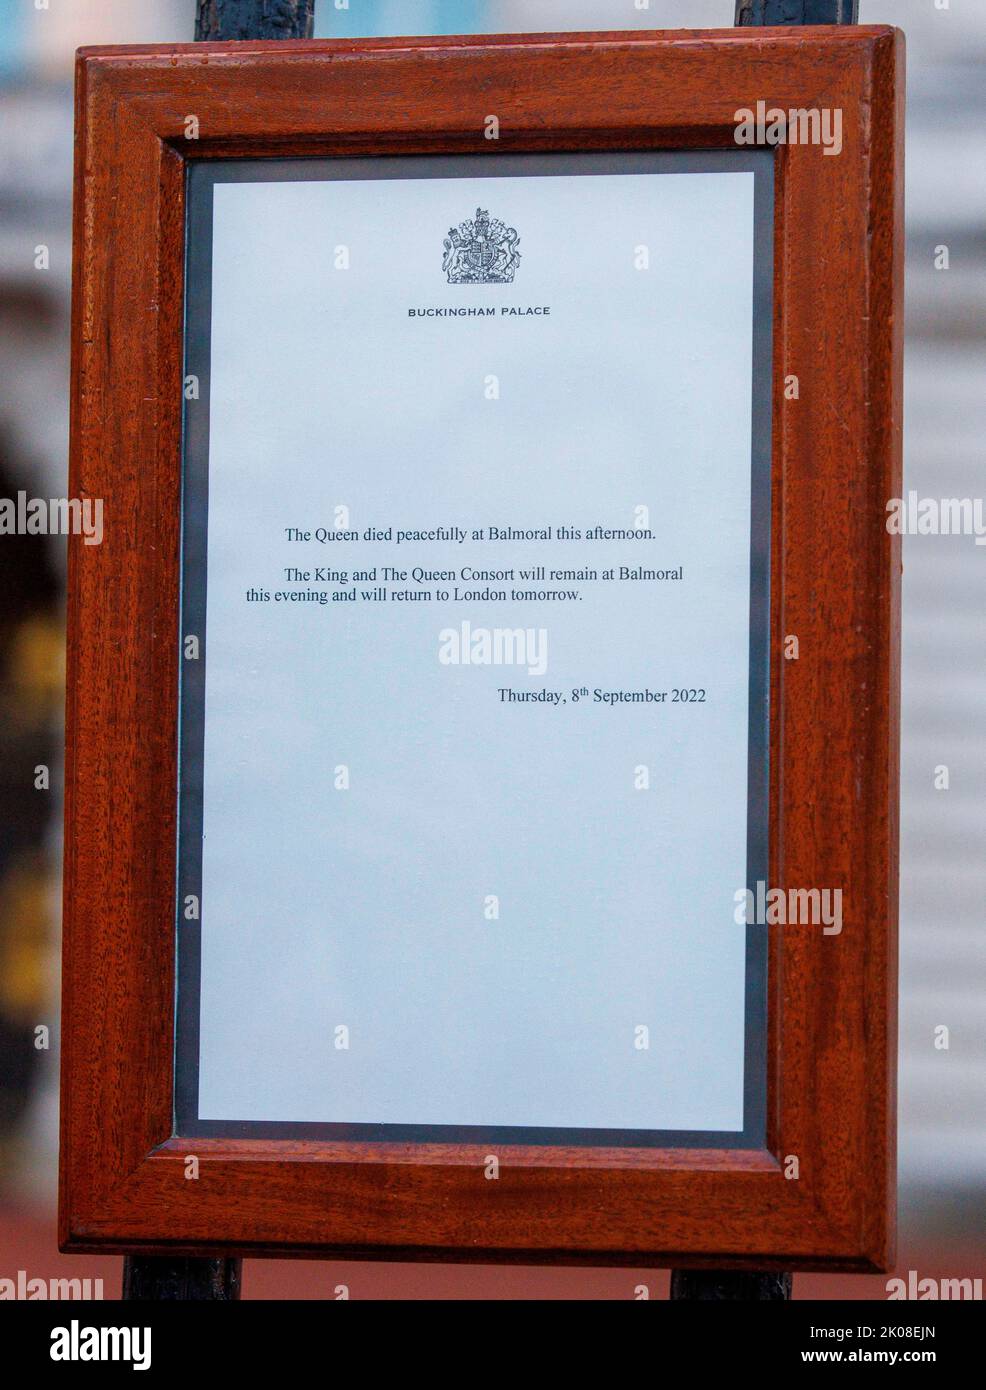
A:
(482, 708)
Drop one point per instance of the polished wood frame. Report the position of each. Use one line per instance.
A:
(834, 711)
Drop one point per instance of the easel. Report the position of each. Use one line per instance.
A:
(173, 1279)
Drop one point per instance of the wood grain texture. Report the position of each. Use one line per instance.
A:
(834, 712)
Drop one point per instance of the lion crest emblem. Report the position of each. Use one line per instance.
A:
(481, 251)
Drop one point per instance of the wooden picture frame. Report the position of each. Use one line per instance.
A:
(835, 576)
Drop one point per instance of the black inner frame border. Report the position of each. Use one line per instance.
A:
(202, 176)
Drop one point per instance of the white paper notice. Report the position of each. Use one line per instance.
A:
(477, 651)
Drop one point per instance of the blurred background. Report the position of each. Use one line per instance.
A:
(943, 863)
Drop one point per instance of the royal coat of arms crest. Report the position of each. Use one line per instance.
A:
(481, 252)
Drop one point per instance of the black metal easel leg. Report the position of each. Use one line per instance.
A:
(254, 19)
(797, 11)
(169, 1279)
(729, 1286)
